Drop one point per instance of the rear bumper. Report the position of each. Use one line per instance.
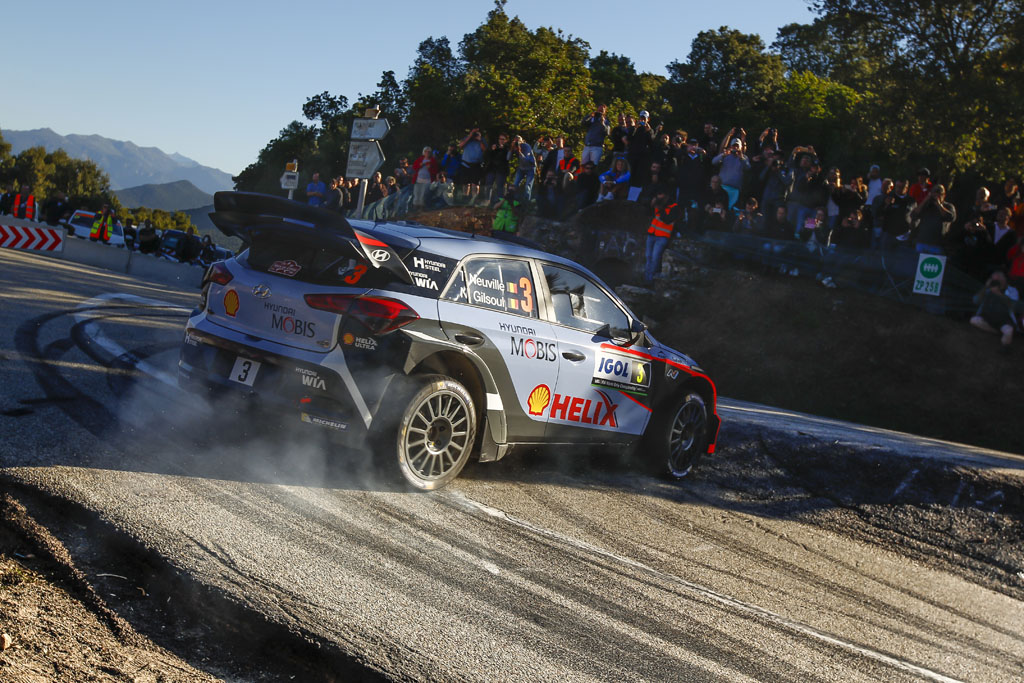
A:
(292, 388)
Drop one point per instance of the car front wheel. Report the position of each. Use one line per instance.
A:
(677, 441)
(436, 433)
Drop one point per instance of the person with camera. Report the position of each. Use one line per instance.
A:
(561, 160)
(424, 172)
(598, 128)
(716, 206)
(497, 167)
(894, 207)
(775, 180)
(638, 153)
(526, 166)
(732, 164)
(470, 172)
(691, 180)
(933, 216)
(620, 134)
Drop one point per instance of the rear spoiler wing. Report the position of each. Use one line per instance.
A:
(241, 214)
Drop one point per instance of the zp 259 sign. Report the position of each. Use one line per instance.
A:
(928, 278)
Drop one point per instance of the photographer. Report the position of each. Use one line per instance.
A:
(598, 129)
(716, 206)
(638, 153)
(526, 165)
(470, 172)
(775, 179)
(691, 179)
(733, 164)
(933, 216)
(498, 168)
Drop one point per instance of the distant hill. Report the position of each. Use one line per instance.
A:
(176, 196)
(127, 164)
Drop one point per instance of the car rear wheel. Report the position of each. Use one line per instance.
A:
(436, 433)
(677, 441)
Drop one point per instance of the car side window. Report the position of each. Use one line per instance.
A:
(500, 284)
(579, 303)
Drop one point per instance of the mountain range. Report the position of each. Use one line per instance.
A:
(127, 164)
(177, 196)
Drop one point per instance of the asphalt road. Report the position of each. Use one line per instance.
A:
(539, 567)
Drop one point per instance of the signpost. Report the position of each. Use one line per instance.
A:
(290, 177)
(364, 153)
(928, 277)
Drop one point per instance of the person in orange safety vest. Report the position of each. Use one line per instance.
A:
(101, 227)
(659, 232)
(24, 205)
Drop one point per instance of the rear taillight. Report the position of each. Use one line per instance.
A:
(218, 274)
(378, 314)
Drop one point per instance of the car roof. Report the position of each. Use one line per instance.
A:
(458, 245)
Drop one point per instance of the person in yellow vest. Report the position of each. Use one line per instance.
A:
(659, 233)
(24, 205)
(101, 227)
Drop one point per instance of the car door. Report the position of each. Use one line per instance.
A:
(603, 391)
(491, 307)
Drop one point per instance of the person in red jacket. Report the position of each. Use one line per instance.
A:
(24, 205)
(424, 172)
(920, 190)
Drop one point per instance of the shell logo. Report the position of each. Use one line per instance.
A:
(538, 399)
(348, 339)
(231, 302)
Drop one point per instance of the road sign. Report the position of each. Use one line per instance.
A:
(30, 238)
(364, 157)
(369, 129)
(928, 279)
(289, 180)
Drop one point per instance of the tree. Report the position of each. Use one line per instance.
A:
(728, 77)
(296, 141)
(532, 82)
(824, 113)
(951, 89)
(434, 89)
(324, 108)
(614, 78)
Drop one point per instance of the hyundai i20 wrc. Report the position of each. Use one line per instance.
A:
(434, 346)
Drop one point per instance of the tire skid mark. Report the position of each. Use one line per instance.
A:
(860, 514)
(739, 605)
(880, 620)
(665, 629)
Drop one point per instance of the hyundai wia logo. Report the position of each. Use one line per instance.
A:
(380, 255)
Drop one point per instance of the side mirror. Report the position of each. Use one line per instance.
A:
(637, 331)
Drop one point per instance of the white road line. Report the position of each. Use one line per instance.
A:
(87, 314)
(745, 607)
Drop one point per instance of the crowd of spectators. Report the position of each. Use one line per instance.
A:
(723, 181)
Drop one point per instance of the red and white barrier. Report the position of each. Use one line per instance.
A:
(31, 238)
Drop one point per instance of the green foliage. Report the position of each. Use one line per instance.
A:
(529, 82)
(728, 77)
(823, 111)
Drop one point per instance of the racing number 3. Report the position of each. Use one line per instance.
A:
(527, 290)
(244, 374)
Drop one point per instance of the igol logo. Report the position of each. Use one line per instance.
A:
(931, 267)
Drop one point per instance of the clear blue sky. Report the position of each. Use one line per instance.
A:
(216, 80)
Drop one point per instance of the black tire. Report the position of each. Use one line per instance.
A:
(679, 437)
(436, 431)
